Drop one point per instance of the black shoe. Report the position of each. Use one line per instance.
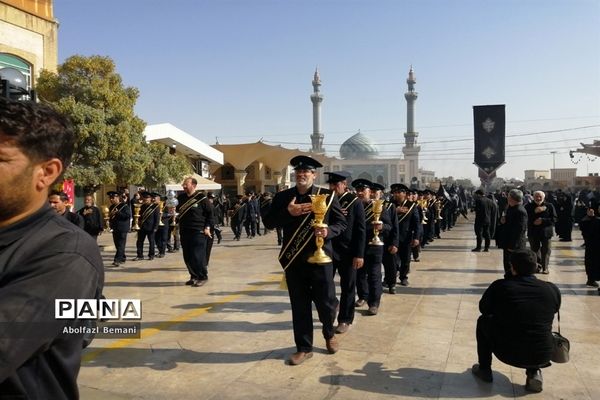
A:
(416, 260)
(150, 258)
(138, 259)
(483, 374)
(486, 250)
(392, 290)
(116, 264)
(190, 282)
(360, 303)
(218, 241)
(199, 282)
(476, 249)
(170, 251)
(534, 382)
(592, 283)
(404, 281)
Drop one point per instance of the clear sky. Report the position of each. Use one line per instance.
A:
(241, 70)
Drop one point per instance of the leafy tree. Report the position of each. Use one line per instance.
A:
(165, 167)
(111, 148)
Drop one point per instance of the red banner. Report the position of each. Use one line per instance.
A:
(69, 189)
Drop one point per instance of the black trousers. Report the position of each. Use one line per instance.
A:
(236, 227)
(193, 244)
(161, 237)
(308, 283)
(485, 347)
(141, 237)
(348, 289)
(506, 263)
(403, 254)
(541, 247)
(390, 268)
(120, 241)
(368, 278)
(482, 231)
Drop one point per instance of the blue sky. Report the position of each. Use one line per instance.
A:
(241, 70)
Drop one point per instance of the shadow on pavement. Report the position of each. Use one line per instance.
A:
(421, 383)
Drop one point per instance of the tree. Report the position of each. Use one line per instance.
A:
(111, 148)
(165, 167)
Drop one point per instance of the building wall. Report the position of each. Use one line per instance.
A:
(28, 30)
(536, 173)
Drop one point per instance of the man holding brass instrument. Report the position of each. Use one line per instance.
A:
(303, 239)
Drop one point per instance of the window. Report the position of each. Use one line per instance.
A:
(9, 60)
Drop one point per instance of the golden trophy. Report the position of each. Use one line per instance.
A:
(106, 213)
(136, 217)
(160, 207)
(377, 210)
(319, 208)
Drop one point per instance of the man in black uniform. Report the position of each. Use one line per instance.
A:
(195, 219)
(162, 230)
(348, 248)
(409, 232)
(92, 219)
(368, 280)
(43, 257)
(59, 200)
(516, 321)
(514, 227)
(238, 216)
(148, 223)
(484, 214)
(540, 228)
(292, 210)
(119, 215)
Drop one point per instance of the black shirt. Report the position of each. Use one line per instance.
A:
(199, 216)
(42, 258)
(522, 309)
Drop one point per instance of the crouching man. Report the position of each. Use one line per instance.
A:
(516, 321)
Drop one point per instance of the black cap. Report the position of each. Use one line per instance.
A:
(362, 183)
(338, 176)
(112, 193)
(154, 194)
(145, 195)
(210, 195)
(413, 191)
(377, 186)
(479, 192)
(305, 162)
(398, 187)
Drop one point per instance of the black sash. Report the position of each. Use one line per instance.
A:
(148, 212)
(369, 212)
(113, 213)
(300, 238)
(189, 204)
(346, 206)
(408, 212)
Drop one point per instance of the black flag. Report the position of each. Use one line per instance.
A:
(489, 123)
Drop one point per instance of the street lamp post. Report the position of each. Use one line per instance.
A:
(553, 159)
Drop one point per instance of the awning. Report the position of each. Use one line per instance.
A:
(203, 184)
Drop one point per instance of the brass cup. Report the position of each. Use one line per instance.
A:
(136, 216)
(377, 210)
(106, 213)
(319, 208)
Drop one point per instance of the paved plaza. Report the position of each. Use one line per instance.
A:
(230, 338)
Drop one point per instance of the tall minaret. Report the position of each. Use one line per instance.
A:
(411, 152)
(317, 98)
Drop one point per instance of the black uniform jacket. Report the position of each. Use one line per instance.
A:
(409, 223)
(149, 217)
(391, 238)
(119, 216)
(548, 216)
(351, 242)
(522, 309)
(42, 258)
(278, 216)
(239, 213)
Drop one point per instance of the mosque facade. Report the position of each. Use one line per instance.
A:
(359, 154)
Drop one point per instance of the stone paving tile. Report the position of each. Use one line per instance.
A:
(230, 338)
